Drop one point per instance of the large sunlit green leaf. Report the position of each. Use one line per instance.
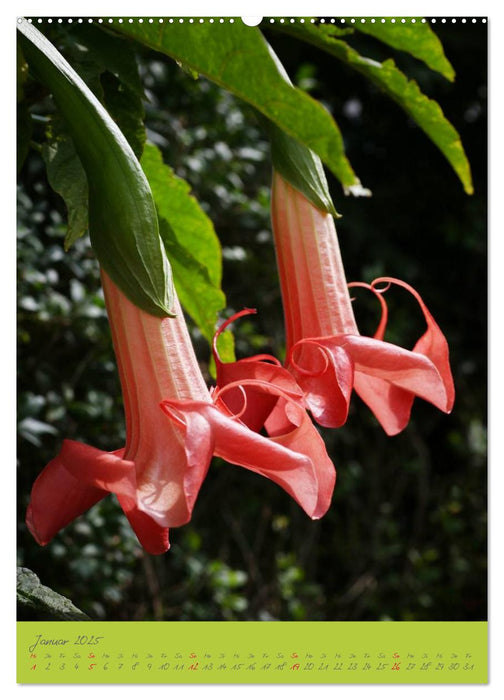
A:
(415, 38)
(191, 244)
(237, 58)
(425, 112)
(122, 216)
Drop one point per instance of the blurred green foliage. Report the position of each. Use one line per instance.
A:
(405, 538)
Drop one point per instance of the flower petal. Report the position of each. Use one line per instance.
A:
(405, 369)
(152, 536)
(432, 344)
(259, 404)
(296, 432)
(56, 499)
(263, 368)
(75, 480)
(207, 427)
(390, 404)
(325, 373)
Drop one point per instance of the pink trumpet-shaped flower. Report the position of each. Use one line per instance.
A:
(174, 426)
(271, 399)
(325, 352)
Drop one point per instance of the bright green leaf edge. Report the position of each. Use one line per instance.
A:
(415, 38)
(237, 58)
(123, 222)
(425, 112)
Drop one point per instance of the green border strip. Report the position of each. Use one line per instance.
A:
(252, 652)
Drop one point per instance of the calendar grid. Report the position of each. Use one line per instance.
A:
(245, 652)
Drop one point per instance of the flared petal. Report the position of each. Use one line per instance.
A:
(75, 480)
(259, 404)
(209, 429)
(57, 498)
(261, 368)
(325, 373)
(290, 426)
(390, 404)
(432, 344)
(103, 470)
(405, 369)
(152, 536)
(386, 377)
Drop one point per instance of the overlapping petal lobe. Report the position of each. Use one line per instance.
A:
(407, 370)
(57, 498)
(164, 468)
(236, 443)
(390, 404)
(152, 536)
(259, 404)
(94, 467)
(326, 379)
(297, 433)
(198, 446)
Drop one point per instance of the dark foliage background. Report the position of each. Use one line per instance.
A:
(405, 538)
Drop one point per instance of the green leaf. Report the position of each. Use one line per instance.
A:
(107, 64)
(416, 38)
(122, 216)
(301, 168)
(48, 604)
(425, 112)
(67, 177)
(237, 58)
(191, 244)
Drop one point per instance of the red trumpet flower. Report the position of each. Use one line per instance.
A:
(325, 352)
(174, 426)
(272, 400)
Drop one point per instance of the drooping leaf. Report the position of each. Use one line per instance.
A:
(67, 177)
(47, 603)
(237, 58)
(301, 168)
(122, 216)
(425, 112)
(191, 244)
(415, 38)
(107, 64)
